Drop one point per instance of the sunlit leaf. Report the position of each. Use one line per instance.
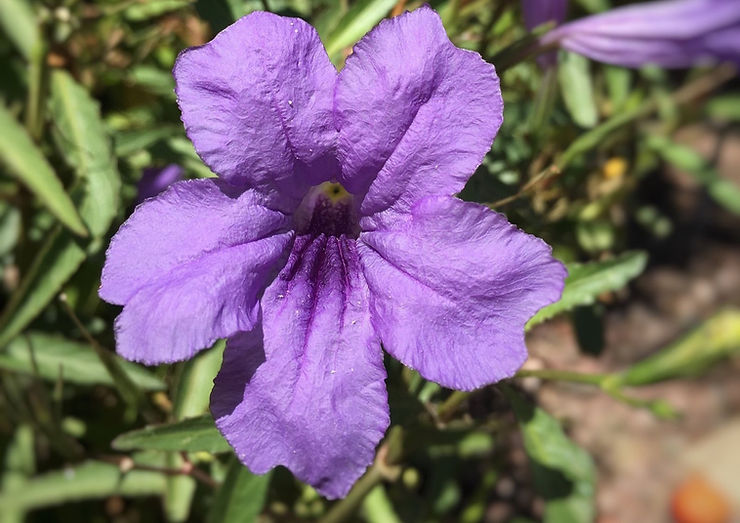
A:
(90, 480)
(724, 192)
(190, 435)
(241, 497)
(362, 17)
(577, 90)
(564, 474)
(23, 159)
(74, 361)
(19, 24)
(85, 143)
(56, 261)
(716, 338)
(586, 281)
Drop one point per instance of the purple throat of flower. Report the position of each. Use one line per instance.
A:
(327, 209)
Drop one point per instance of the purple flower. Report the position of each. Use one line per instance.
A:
(154, 180)
(333, 229)
(538, 12)
(674, 33)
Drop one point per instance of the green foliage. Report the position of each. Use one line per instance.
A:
(87, 102)
(564, 473)
(241, 497)
(22, 158)
(190, 435)
(715, 339)
(586, 282)
(578, 92)
(89, 480)
(54, 358)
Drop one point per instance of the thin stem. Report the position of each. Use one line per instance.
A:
(36, 81)
(127, 464)
(563, 375)
(450, 405)
(384, 468)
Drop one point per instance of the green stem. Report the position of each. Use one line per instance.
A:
(383, 468)
(36, 81)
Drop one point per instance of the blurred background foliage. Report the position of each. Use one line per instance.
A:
(87, 103)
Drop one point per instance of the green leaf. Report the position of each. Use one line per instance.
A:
(22, 159)
(577, 90)
(90, 480)
(76, 361)
(378, 508)
(142, 11)
(190, 435)
(191, 399)
(154, 79)
(20, 464)
(84, 141)
(18, 22)
(724, 107)
(241, 497)
(564, 474)
(363, 16)
(586, 281)
(715, 339)
(56, 262)
(130, 142)
(724, 192)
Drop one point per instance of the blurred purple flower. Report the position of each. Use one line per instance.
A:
(538, 12)
(154, 180)
(333, 228)
(668, 33)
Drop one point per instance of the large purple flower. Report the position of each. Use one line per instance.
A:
(669, 33)
(333, 229)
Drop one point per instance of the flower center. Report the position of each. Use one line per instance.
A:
(327, 209)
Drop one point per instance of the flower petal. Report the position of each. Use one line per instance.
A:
(677, 33)
(257, 103)
(318, 403)
(452, 287)
(415, 114)
(189, 266)
(154, 180)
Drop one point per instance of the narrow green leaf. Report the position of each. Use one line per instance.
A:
(378, 508)
(715, 339)
(190, 435)
(22, 159)
(56, 262)
(142, 11)
(90, 480)
(84, 141)
(577, 90)
(154, 79)
(76, 361)
(586, 281)
(564, 474)
(20, 464)
(192, 397)
(130, 142)
(18, 22)
(725, 108)
(241, 497)
(724, 192)
(363, 16)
